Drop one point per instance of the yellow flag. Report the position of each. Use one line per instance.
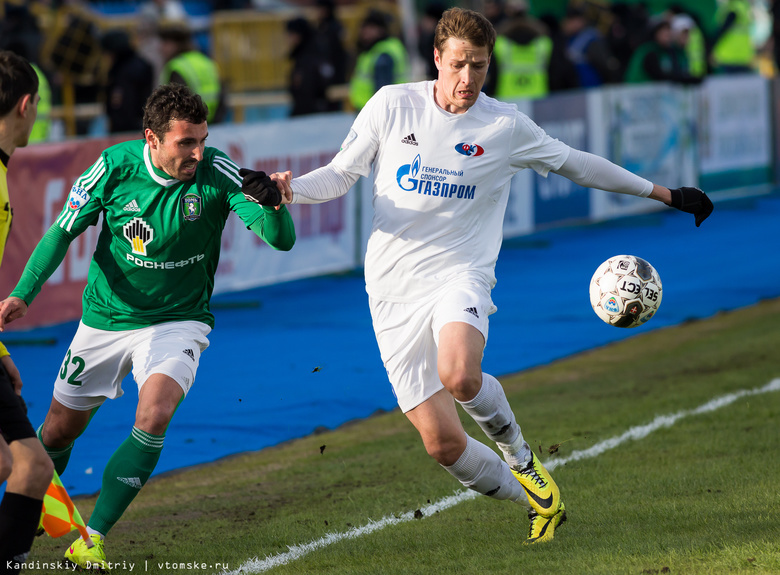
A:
(59, 515)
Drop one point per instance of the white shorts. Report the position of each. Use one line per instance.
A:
(408, 335)
(99, 360)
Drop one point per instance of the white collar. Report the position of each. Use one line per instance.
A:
(150, 168)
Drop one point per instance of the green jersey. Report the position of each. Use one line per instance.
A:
(158, 249)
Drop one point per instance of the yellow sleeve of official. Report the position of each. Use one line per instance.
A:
(3, 350)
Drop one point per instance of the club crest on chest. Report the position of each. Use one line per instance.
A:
(191, 206)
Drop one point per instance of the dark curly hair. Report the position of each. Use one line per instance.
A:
(17, 79)
(172, 102)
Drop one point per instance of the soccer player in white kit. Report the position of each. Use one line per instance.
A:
(443, 156)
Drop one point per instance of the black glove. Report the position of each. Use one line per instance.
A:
(259, 188)
(692, 201)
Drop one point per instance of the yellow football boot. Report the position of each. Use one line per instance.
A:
(89, 558)
(543, 493)
(543, 529)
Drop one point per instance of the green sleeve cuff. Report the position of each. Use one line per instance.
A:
(275, 228)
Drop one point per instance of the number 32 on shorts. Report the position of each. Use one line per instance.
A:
(77, 363)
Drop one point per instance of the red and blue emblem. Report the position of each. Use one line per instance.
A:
(78, 198)
(469, 149)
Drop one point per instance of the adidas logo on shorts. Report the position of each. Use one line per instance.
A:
(189, 353)
(472, 311)
(410, 139)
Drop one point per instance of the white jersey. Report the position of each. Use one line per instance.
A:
(441, 185)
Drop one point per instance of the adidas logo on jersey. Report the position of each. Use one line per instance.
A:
(132, 207)
(410, 139)
(134, 482)
(472, 311)
(189, 353)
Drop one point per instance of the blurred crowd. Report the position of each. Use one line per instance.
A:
(115, 69)
(593, 43)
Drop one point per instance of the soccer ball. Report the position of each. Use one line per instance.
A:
(625, 291)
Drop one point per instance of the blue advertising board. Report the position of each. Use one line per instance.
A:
(562, 116)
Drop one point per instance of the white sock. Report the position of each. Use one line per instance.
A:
(481, 469)
(490, 409)
(516, 454)
(91, 531)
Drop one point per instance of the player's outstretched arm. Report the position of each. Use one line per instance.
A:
(11, 309)
(592, 171)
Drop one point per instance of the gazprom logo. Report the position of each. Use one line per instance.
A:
(406, 176)
(78, 198)
(469, 149)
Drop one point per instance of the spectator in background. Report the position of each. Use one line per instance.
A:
(733, 50)
(658, 59)
(162, 10)
(382, 59)
(626, 32)
(19, 29)
(186, 65)
(310, 74)
(495, 11)
(427, 29)
(148, 42)
(687, 36)
(329, 37)
(130, 82)
(521, 55)
(586, 50)
(561, 73)
(42, 126)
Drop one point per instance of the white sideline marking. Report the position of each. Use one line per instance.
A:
(639, 432)
(642, 431)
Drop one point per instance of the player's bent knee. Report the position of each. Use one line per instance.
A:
(445, 452)
(63, 426)
(58, 437)
(461, 385)
(154, 420)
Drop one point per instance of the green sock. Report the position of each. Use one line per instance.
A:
(59, 455)
(126, 472)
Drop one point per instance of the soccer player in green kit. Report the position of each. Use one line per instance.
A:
(164, 202)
